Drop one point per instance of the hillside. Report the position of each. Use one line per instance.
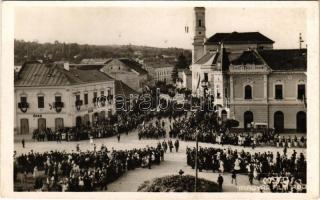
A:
(74, 52)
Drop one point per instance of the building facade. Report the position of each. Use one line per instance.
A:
(249, 80)
(57, 96)
(128, 71)
(159, 70)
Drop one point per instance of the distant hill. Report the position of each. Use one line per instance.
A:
(74, 52)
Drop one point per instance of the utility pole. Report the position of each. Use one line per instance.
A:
(196, 163)
(300, 40)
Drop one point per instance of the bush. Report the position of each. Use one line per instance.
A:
(176, 183)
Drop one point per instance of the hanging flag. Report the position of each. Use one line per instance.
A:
(198, 82)
(304, 101)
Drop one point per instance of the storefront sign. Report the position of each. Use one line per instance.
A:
(37, 115)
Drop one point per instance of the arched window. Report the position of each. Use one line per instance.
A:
(278, 121)
(247, 92)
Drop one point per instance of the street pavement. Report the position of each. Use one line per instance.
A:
(173, 162)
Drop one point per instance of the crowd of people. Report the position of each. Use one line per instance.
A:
(156, 131)
(122, 122)
(280, 172)
(207, 129)
(82, 171)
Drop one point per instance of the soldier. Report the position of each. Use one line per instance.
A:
(170, 145)
(164, 146)
(176, 144)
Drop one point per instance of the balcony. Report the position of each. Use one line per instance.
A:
(23, 106)
(58, 105)
(247, 68)
(78, 104)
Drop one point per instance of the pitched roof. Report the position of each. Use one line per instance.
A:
(87, 66)
(209, 58)
(239, 38)
(53, 74)
(213, 58)
(133, 65)
(123, 89)
(285, 59)
(248, 57)
(95, 60)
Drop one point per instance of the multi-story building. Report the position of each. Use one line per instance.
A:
(159, 72)
(126, 70)
(56, 95)
(248, 79)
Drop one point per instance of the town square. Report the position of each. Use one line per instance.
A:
(205, 109)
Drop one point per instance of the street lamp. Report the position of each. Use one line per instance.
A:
(204, 85)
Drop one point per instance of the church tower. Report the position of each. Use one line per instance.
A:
(200, 34)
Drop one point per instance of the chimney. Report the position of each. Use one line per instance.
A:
(66, 66)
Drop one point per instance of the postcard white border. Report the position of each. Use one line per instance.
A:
(7, 113)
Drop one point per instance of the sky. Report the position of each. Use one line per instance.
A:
(154, 26)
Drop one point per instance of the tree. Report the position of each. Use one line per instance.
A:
(182, 63)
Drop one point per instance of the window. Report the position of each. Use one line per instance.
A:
(77, 97)
(206, 77)
(199, 23)
(109, 91)
(226, 92)
(218, 94)
(23, 99)
(199, 33)
(85, 99)
(301, 91)
(247, 92)
(40, 101)
(278, 92)
(57, 98)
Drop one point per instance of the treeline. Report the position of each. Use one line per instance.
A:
(74, 52)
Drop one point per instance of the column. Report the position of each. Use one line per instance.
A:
(231, 89)
(265, 87)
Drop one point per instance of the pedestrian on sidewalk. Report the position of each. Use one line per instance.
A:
(23, 143)
(234, 177)
(118, 137)
(220, 182)
(176, 144)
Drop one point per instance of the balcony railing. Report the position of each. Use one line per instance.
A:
(23, 106)
(58, 105)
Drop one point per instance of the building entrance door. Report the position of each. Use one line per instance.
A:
(278, 121)
(78, 121)
(301, 122)
(59, 123)
(247, 119)
(42, 124)
(24, 126)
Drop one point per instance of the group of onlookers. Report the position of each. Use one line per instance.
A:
(258, 166)
(82, 171)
